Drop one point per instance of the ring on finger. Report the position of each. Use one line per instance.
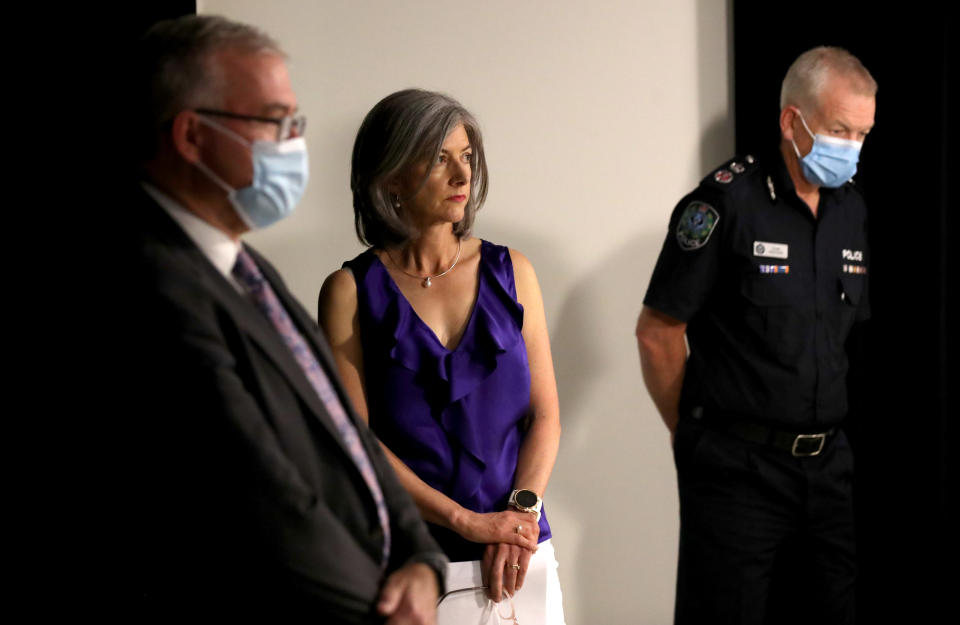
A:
(518, 528)
(515, 566)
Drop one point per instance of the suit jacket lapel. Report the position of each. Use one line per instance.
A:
(256, 324)
(310, 332)
(306, 326)
(262, 332)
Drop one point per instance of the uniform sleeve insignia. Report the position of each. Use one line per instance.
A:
(696, 225)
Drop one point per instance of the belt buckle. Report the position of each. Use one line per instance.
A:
(822, 437)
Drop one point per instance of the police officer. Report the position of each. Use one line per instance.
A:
(764, 271)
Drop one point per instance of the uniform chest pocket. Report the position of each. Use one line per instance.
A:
(774, 289)
(851, 289)
(778, 311)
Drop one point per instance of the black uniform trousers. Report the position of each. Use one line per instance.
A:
(765, 537)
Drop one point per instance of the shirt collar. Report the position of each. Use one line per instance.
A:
(783, 181)
(215, 244)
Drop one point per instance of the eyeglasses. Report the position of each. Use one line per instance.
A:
(288, 126)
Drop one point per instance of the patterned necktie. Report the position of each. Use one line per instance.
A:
(247, 272)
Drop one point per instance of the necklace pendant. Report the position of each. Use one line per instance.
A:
(426, 282)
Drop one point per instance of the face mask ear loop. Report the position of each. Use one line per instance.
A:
(795, 149)
(209, 172)
(805, 127)
(218, 126)
(215, 178)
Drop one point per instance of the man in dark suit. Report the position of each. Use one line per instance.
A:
(260, 491)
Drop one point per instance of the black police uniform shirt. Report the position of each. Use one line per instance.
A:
(769, 294)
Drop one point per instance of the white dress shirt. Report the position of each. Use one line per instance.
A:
(215, 244)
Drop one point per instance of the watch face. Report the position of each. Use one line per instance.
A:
(526, 498)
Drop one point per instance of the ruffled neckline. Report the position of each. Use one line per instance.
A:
(401, 341)
(494, 327)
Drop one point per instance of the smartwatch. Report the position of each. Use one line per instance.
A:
(526, 501)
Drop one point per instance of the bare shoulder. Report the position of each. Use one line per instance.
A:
(528, 289)
(339, 282)
(522, 268)
(338, 295)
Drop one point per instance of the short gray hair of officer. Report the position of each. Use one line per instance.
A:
(810, 72)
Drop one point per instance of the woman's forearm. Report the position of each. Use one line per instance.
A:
(434, 506)
(538, 453)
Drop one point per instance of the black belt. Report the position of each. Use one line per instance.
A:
(800, 445)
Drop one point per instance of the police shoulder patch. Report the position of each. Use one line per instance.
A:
(696, 225)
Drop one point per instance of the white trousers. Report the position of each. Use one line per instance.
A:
(539, 602)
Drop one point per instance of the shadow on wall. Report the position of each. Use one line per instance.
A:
(614, 457)
(612, 498)
(717, 137)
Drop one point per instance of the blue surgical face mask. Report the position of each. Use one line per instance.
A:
(831, 161)
(280, 174)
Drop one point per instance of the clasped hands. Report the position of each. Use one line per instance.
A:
(511, 538)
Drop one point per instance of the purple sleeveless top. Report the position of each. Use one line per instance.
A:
(454, 417)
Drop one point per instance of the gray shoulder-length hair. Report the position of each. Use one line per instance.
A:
(403, 129)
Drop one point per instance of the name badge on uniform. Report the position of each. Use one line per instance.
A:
(766, 249)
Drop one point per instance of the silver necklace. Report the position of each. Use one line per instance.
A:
(426, 280)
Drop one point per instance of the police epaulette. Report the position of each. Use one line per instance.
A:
(730, 172)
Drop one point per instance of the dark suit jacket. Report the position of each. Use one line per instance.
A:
(247, 498)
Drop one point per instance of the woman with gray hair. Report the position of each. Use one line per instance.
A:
(442, 344)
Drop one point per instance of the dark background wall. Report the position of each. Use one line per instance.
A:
(900, 389)
(94, 82)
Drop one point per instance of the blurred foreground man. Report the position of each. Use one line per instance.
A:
(764, 271)
(261, 491)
